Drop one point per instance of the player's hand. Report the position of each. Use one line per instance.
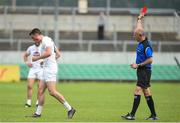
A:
(134, 66)
(29, 64)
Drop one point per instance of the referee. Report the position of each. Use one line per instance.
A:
(144, 59)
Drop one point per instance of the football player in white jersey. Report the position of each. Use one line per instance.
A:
(50, 69)
(35, 71)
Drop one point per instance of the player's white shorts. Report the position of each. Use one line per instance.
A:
(50, 74)
(35, 73)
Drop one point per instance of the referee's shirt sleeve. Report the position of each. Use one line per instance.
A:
(149, 52)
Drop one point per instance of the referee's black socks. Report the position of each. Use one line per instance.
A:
(137, 99)
(150, 103)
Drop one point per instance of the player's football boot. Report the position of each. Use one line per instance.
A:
(152, 117)
(128, 117)
(36, 115)
(27, 105)
(71, 113)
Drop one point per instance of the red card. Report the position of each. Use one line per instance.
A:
(144, 10)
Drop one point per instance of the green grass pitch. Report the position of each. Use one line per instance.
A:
(95, 102)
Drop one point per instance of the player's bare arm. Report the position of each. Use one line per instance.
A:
(25, 57)
(46, 54)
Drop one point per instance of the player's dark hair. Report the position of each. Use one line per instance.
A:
(35, 31)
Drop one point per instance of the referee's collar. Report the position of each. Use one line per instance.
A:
(146, 39)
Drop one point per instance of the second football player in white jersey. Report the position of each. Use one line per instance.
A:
(35, 71)
(49, 72)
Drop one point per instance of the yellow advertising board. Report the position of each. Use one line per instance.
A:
(9, 73)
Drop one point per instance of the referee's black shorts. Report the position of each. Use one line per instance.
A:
(144, 77)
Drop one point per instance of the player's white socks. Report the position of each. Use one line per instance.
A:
(37, 102)
(39, 110)
(29, 102)
(67, 106)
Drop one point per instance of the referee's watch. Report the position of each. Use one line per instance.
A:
(139, 65)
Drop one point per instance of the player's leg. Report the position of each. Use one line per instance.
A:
(40, 82)
(150, 103)
(42, 89)
(51, 86)
(31, 79)
(39, 88)
(53, 92)
(41, 99)
(29, 92)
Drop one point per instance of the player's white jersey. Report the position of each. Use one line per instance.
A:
(34, 50)
(51, 60)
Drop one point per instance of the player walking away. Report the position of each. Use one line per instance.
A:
(49, 72)
(35, 71)
(143, 65)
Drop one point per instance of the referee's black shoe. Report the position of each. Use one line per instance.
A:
(71, 113)
(152, 117)
(128, 117)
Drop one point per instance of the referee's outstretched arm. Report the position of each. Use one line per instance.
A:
(139, 30)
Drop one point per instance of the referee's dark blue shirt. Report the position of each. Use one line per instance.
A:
(143, 53)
